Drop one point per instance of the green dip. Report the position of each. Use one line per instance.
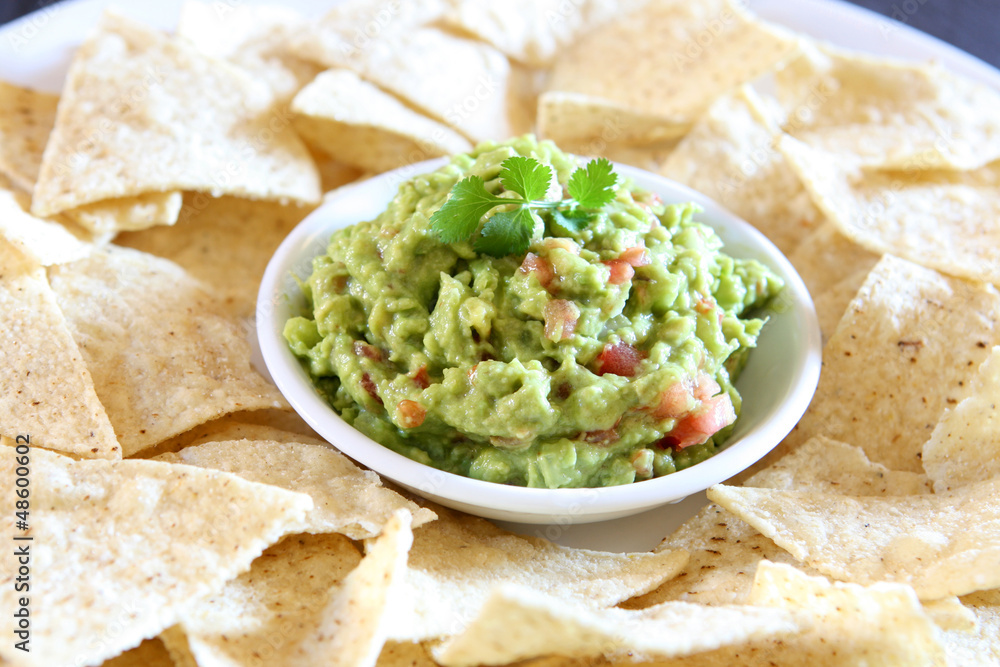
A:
(602, 357)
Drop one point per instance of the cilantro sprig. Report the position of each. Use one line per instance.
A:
(508, 232)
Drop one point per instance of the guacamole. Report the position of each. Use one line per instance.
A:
(603, 355)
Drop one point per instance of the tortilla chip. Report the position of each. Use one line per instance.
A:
(163, 356)
(148, 87)
(405, 654)
(48, 393)
(359, 124)
(150, 653)
(939, 219)
(346, 499)
(894, 363)
(890, 114)
(354, 626)
(224, 242)
(825, 257)
(456, 560)
(882, 624)
(662, 65)
(729, 156)
(113, 215)
(455, 80)
(26, 119)
(533, 31)
(587, 125)
(123, 547)
(725, 551)
(252, 37)
(518, 623)
(278, 600)
(341, 36)
(832, 304)
(980, 647)
(950, 614)
(46, 242)
(920, 540)
(965, 445)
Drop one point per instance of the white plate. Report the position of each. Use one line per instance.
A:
(36, 49)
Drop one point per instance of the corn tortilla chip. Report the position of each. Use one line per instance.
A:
(44, 241)
(150, 653)
(672, 58)
(148, 87)
(940, 219)
(965, 445)
(346, 499)
(341, 36)
(121, 548)
(588, 125)
(825, 257)
(458, 81)
(981, 646)
(456, 560)
(832, 303)
(109, 216)
(252, 37)
(224, 242)
(26, 119)
(729, 155)
(533, 31)
(49, 394)
(882, 624)
(163, 357)
(405, 654)
(894, 362)
(518, 623)
(354, 626)
(950, 614)
(725, 551)
(260, 617)
(891, 114)
(920, 540)
(361, 125)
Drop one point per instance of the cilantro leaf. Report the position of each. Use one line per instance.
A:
(525, 176)
(459, 217)
(574, 219)
(506, 233)
(593, 186)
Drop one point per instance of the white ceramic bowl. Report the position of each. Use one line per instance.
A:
(777, 383)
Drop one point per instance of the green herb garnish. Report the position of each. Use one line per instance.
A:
(508, 232)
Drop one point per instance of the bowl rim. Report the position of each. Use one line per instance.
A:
(500, 500)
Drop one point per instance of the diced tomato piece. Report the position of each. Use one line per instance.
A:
(621, 271)
(705, 305)
(363, 349)
(674, 402)
(411, 413)
(369, 385)
(421, 378)
(636, 256)
(560, 319)
(542, 268)
(697, 427)
(619, 359)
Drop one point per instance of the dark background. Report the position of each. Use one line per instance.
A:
(971, 25)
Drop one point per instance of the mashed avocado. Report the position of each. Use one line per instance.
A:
(602, 356)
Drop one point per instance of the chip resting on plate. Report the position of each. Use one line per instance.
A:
(183, 121)
(346, 499)
(920, 540)
(48, 393)
(359, 124)
(163, 355)
(965, 445)
(894, 362)
(119, 549)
